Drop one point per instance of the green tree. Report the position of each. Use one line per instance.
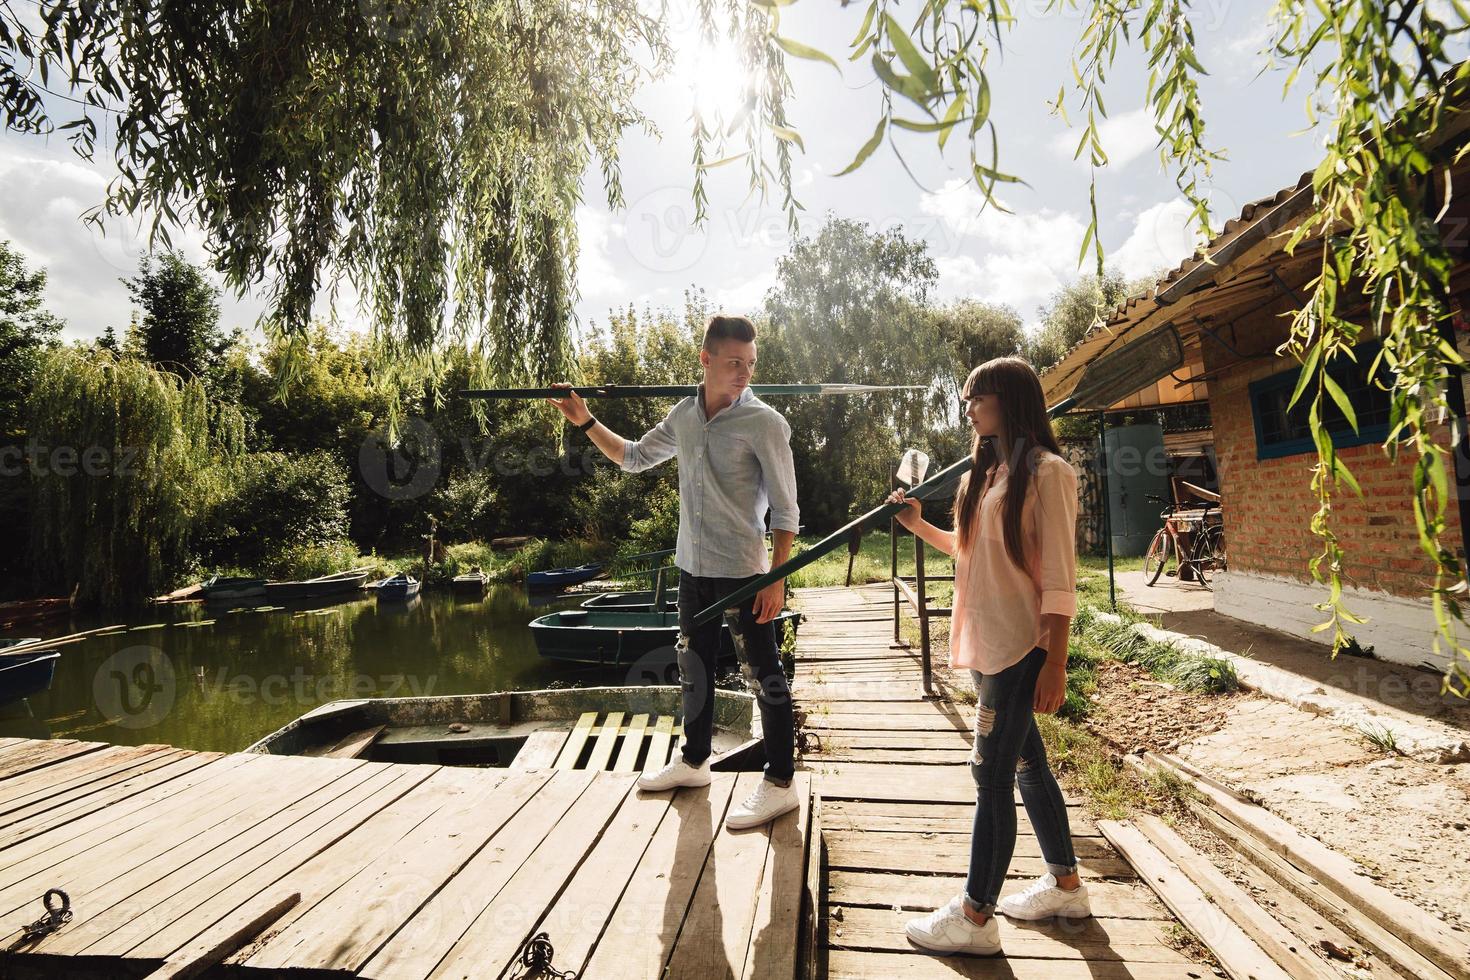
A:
(271, 502)
(179, 330)
(125, 460)
(27, 330)
(849, 306)
(972, 332)
(1073, 310)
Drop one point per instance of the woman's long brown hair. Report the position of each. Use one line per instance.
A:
(1027, 426)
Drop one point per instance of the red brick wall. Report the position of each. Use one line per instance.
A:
(1269, 503)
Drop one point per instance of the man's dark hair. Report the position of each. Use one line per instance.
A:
(722, 327)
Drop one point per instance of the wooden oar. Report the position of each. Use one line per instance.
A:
(680, 391)
(924, 491)
(57, 641)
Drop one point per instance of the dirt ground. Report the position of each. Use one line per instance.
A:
(1406, 823)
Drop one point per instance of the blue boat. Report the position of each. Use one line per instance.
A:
(400, 586)
(560, 578)
(23, 674)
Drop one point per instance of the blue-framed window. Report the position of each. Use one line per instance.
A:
(1282, 433)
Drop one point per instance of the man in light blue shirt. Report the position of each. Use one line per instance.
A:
(734, 464)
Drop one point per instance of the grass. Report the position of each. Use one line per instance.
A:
(1167, 661)
(1383, 739)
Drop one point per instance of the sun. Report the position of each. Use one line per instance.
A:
(717, 80)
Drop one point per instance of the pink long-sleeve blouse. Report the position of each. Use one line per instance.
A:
(998, 606)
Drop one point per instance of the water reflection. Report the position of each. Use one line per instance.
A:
(217, 679)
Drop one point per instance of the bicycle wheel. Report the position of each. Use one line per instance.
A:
(1217, 547)
(1201, 560)
(1157, 556)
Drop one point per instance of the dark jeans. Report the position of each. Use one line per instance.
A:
(1009, 752)
(699, 649)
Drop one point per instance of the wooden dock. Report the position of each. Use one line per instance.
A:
(404, 871)
(895, 803)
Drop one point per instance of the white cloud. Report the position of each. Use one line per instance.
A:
(596, 277)
(1017, 258)
(1161, 238)
(745, 297)
(44, 190)
(1124, 138)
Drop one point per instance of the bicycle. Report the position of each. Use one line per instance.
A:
(1191, 534)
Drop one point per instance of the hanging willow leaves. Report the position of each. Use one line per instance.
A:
(125, 460)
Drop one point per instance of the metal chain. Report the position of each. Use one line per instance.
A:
(535, 956)
(55, 917)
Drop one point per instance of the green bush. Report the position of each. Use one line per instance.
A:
(298, 561)
(273, 503)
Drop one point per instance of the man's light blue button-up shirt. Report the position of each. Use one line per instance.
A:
(732, 468)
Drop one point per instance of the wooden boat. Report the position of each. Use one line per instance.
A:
(640, 601)
(24, 674)
(473, 581)
(317, 588)
(616, 637)
(21, 611)
(227, 588)
(626, 728)
(9, 643)
(400, 586)
(560, 578)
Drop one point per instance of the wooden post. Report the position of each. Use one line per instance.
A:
(921, 592)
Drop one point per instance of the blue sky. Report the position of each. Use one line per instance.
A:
(649, 253)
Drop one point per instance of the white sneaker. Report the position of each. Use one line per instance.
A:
(767, 802)
(948, 930)
(675, 774)
(1043, 899)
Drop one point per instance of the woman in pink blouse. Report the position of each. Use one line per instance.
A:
(1015, 573)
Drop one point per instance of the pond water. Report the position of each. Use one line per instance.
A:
(203, 678)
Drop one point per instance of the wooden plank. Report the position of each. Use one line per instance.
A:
(579, 914)
(1235, 950)
(76, 772)
(1111, 899)
(775, 928)
(385, 894)
(351, 746)
(641, 932)
(939, 818)
(208, 953)
(540, 751)
(1094, 939)
(492, 939)
(39, 753)
(919, 784)
(47, 842)
(715, 937)
(168, 895)
(931, 722)
(660, 743)
(164, 832)
(861, 965)
(572, 750)
(73, 804)
(602, 749)
(1279, 943)
(946, 853)
(1420, 930)
(173, 922)
(627, 760)
(1385, 944)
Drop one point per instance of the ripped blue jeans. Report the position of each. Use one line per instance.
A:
(1008, 752)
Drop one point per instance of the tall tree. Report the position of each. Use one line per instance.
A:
(848, 306)
(1073, 310)
(179, 330)
(26, 330)
(130, 457)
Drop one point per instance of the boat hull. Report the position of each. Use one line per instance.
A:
(641, 601)
(315, 588)
(22, 675)
(559, 578)
(616, 638)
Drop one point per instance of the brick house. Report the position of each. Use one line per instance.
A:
(1229, 306)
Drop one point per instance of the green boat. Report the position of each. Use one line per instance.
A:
(619, 637)
(637, 601)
